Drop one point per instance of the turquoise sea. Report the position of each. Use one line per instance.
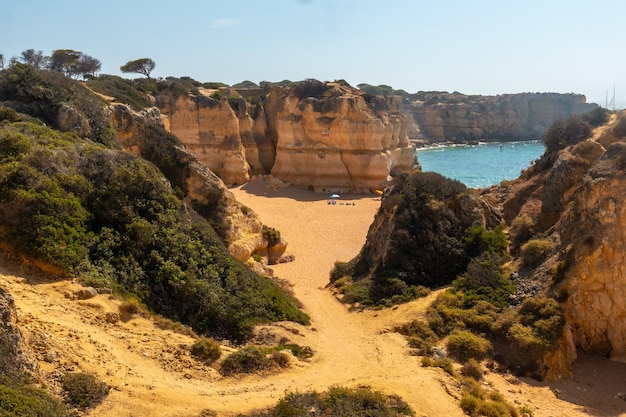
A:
(482, 165)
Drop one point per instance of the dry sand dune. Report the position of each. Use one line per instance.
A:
(152, 373)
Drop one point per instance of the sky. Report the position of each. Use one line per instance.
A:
(486, 47)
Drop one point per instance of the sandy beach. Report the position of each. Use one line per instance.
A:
(317, 233)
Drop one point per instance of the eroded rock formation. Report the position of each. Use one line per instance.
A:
(593, 235)
(575, 196)
(14, 355)
(210, 130)
(330, 136)
(319, 135)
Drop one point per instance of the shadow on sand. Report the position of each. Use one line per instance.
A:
(598, 386)
(262, 188)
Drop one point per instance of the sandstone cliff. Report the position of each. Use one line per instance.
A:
(330, 136)
(455, 117)
(575, 197)
(319, 135)
(210, 130)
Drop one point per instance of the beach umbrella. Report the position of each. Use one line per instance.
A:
(334, 196)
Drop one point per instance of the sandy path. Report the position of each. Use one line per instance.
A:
(152, 373)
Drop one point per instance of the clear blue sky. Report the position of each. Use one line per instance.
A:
(470, 46)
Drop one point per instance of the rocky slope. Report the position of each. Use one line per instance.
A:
(574, 195)
(455, 117)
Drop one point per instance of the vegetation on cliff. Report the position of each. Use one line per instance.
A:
(113, 220)
(418, 240)
(422, 237)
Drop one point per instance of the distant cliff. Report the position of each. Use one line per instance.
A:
(455, 117)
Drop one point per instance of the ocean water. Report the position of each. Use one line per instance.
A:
(482, 165)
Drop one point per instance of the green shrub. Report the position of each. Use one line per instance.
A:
(339, 402)
(535, 251)
(522, 229)
(566, 132)
(300, 352)
(420, 336)
(341, 270)
(479, 240)
(472, 369)
(529, 333)
(245, 361)
(476, 402)
(26, 401)
(271, 235)
(464, 345)
(485, 280)
(83, 390)
(123, 90)
(42, 93)
(206, 349)
(445, 364)
(7, 113)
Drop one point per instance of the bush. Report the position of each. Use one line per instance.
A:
(420, 336)
(300, 352)
(130, 307)
(7, 113)
(464, 345)
(479, 240)
(83, 390)
(339, 402)
(271, 235)
(26, 401)
(485, 280)
(522, 229)
(529, 333)
(535, 251)
(123, 90)
(246, 361)
(476, 402)
(341, 270)
(472, 369)
(566, 132)
(206, 349)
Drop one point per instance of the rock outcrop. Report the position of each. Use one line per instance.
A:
(593, 240)
(575, 196)
(14, 357)
(455, 117)
(329, 136)
(210, 130)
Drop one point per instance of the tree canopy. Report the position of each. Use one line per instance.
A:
(140, 66)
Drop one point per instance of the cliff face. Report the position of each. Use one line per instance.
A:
(575, 196)
(455, 117)
(333, 137)
(593, 235)
(319, 135)
(211, 131)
